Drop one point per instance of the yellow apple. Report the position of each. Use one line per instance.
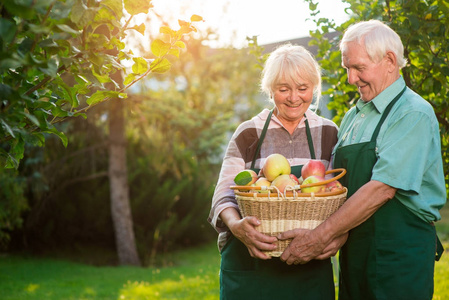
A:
(262, 181)
(282, 181)
(275, 165)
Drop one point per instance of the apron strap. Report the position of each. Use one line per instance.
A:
(385, 114)
(309, 139)
(262, 137)
(264, 131)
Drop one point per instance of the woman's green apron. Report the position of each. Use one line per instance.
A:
(391, 255)
(245, 277)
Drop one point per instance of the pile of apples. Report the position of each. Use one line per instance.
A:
(277, 172)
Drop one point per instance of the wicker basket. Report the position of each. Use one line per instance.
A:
(279, 212)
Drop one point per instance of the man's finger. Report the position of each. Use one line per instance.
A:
(287, 234)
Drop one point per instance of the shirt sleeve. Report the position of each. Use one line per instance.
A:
(223, 196)
(405, 152)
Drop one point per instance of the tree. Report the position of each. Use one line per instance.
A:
(422, 26)
(58, 59)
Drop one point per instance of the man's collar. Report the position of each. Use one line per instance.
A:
(382, 100)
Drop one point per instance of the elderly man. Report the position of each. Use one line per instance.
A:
(389, 143)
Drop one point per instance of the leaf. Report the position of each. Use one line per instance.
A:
(103, 78)
(134, 7)
(101, 96)
(97, 97)
(140, 28)
(116, 6)
(68, 29)
(60, 134)
(180, 44)
(82, 15)
(160, 65)
(129, 78)
(140, 65)
(196, 18)
(16, 153)
(174, 52)
(167, 30)
(7, 30)
(7, 128)
(245, 177)
(159, 48)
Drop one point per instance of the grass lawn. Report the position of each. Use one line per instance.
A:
(190, 274)
(194, 275)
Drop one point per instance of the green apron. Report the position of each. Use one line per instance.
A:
(245, 277)
(391, 255)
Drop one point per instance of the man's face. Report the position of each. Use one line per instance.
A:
(370, 78)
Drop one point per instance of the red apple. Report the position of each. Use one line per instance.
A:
(293, 176)
(334, 186)
(313, 167)
(275, 165)
(313, 189)
(282, 181)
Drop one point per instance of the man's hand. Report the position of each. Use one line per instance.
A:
(304, 247)
(307, 245)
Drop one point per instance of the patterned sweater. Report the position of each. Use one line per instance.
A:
(242, 147)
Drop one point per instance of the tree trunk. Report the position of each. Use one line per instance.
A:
(119, 190)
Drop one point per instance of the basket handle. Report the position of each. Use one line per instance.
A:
(257, 188)
(342, 173)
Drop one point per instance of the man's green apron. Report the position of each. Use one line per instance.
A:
(391, 255)
(245, 277)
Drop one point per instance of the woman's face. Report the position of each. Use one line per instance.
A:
(292, 99)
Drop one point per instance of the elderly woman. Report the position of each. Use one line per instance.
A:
(291, 78)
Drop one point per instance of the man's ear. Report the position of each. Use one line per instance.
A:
(391, 60)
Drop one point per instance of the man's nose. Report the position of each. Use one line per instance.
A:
(352, 76)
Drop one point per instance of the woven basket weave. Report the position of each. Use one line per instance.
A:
(279, 212)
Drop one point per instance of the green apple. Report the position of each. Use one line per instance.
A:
(275, 165)
(313, 189)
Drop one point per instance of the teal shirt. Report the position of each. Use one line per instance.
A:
(408, 148)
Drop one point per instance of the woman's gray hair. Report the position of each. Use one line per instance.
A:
(291, 62)
(377, 39)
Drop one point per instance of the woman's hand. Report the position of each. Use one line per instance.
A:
(245, 230)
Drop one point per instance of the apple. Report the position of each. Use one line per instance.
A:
(293, 176)
(275, 165)
(262, 181)
(334, 186)
(313, 167)
(282, 181)
(313, 189)
(245, 177)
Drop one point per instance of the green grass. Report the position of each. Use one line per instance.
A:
(190, 274)
(194, 275)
